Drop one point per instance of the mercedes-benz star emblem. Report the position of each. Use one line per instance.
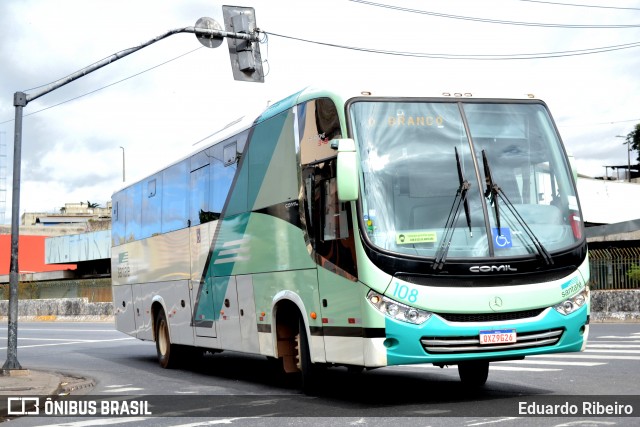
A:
(495, 303)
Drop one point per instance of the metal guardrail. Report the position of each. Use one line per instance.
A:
(615, 268)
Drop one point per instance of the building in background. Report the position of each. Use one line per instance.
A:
(31, 260)
(36, 262)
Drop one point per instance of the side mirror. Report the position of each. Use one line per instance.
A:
(347, 169)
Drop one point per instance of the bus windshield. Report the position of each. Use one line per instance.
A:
(481, 179)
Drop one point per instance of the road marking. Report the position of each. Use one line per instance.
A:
(552, 362)
(611, 346)
(612, 351)
(214, 422)
(585, 356)
(492, 421)
(615, 337)
(491, 366)
(22, 328)
(60, 339)
(520, 369)
(70, 342)
(123, 389)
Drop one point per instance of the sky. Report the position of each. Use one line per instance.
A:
(155, 106)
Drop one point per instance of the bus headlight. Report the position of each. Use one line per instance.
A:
(570, 305)
(397, 310)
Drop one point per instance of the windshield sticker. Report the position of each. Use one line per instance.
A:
(573, 202)
(412, 237)
(502, 239)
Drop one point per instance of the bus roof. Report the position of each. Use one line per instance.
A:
(340, 94)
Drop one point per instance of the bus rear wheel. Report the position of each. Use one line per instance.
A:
(474, 373)
(168, 354)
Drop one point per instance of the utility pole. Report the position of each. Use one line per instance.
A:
(210, 34)
(122, 163)
(628, 142)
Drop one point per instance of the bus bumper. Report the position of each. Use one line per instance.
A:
(409, 344)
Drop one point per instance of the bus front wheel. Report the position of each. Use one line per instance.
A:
(309, 370)
(474, 373)
(167, 352)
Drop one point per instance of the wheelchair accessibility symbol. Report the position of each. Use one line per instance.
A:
(502, 240)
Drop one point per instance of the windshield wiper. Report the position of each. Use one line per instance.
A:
(464, 187)
(494, 192)
(449, 227)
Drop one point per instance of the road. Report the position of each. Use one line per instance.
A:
(409, 395)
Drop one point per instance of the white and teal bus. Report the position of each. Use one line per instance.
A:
(364, 230)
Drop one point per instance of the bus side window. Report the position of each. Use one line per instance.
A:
(175, 203)
(133, 213)
(199, 197)
(151, 206)
(117, 220)
(224, 162)
(334, 242)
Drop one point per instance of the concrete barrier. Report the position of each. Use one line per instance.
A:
(60, 309)
(606, 306)
(615, 306)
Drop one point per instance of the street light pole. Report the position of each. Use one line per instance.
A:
(210, 34)
(122, 163)
(628, 160)
(628, 142)
(12, 364)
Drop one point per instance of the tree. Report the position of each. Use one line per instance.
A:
(92, 205)
(634, 272)
(633, 139)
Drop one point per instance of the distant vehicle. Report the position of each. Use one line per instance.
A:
(361, 230)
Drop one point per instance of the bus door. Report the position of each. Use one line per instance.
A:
(201, 226)
(330, 231)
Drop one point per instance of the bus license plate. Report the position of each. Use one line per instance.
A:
(499, 336)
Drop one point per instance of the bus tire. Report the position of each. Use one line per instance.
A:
(310, 375)
(168, 354)
(474, 373)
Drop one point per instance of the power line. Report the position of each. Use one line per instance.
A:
(582, 5)
(476, 57)
(103, 87)
(494, 21)
(599, 123)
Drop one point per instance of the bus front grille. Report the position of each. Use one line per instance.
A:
(491, 317)
(471, 344)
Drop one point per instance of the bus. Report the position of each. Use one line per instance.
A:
(360, 229)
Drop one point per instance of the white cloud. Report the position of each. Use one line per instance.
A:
(72, 152)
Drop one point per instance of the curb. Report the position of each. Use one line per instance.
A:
(70, 384)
